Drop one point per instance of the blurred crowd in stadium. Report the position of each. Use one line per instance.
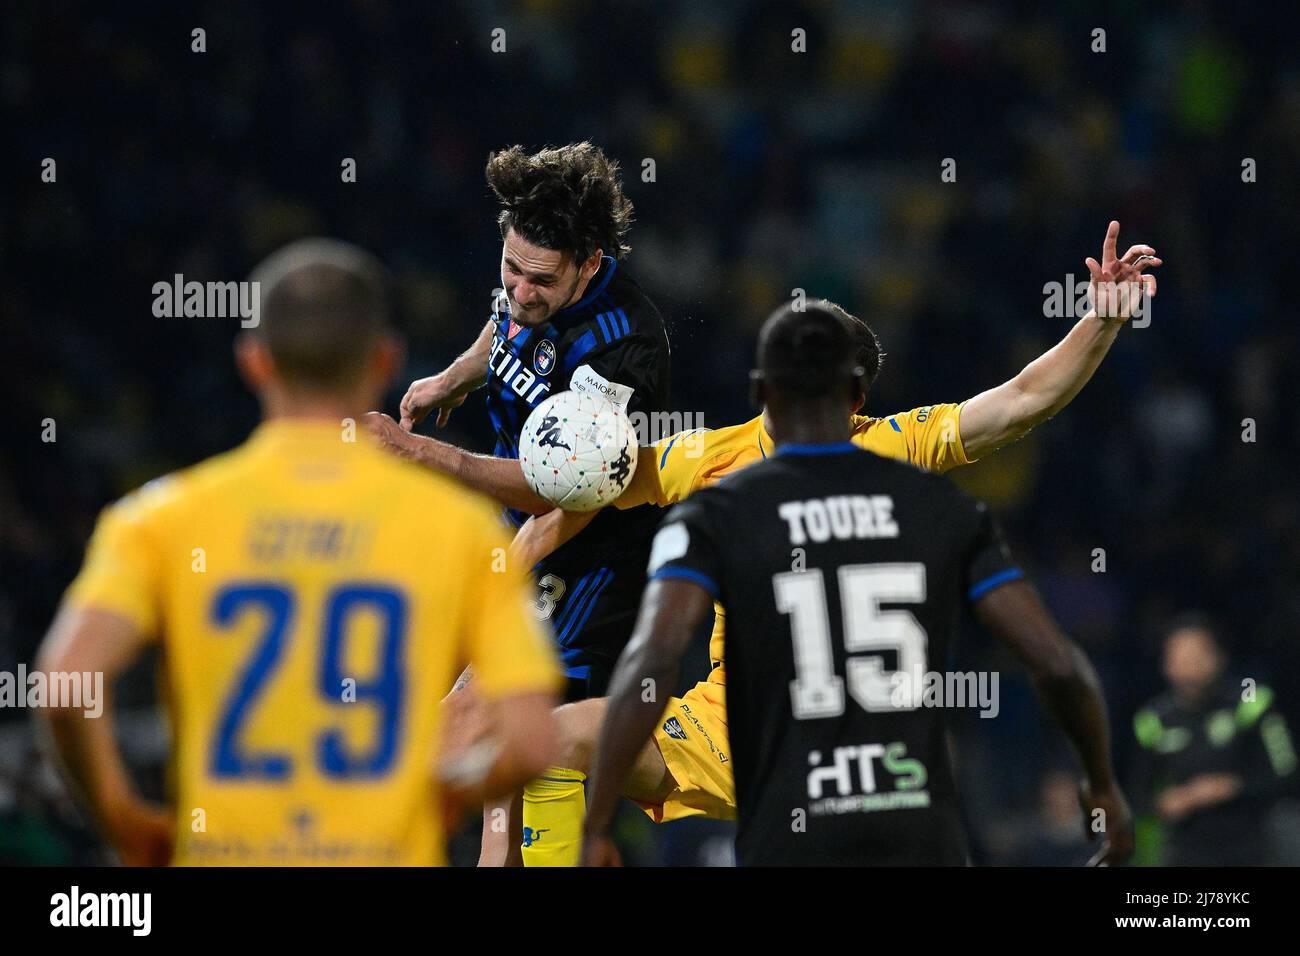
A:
(771, 171)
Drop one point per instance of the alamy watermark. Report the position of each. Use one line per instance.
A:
(75, 690)
(208, 300)
(684, 430)
(1074, 298)
(950, 689)
(133, 911)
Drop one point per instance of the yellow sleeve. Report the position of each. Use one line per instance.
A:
(645, 488)
(930, 437)
(510, 651)
(667, 471)
(122, 572)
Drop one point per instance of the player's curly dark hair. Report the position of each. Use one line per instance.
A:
(567, 198)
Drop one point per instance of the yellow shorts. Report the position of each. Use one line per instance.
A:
(692, 737)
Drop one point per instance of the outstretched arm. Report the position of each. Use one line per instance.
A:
(499, 478)
(1049, 383)
(1069, 687)
(671, 612)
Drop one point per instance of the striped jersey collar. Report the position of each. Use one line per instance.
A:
(597, 285)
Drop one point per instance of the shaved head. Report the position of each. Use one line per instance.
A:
(325, 304)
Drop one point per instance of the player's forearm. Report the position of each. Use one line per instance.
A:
(531, 542)
(1044, 387)
(544, 534)
(1051, 381)
(86, 751)
(499, 478)
(469, 370)
(1073, 696)
(1061, 672)
(635, 706)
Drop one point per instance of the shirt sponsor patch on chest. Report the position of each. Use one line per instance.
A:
(544, 357)
(587, 379)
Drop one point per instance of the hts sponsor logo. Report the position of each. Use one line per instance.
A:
(865, 778)
(76, 690)
(74, 908)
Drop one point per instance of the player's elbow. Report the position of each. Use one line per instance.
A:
(57, 672)
(1030, 402)
(531, 503)
(1002, 416)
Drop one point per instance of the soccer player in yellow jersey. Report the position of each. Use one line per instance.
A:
(306, 638)
(685, 771)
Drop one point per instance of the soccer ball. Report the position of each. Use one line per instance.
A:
(578, 451)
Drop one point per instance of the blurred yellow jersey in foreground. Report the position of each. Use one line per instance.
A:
(673, 468)
(314, 599)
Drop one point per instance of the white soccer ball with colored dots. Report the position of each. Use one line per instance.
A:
(578, 451)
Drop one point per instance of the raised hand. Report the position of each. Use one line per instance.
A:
(1118, 286)
(424, 396)
(391, 436)
(1117, 835)
(600, 851)
(142, 833)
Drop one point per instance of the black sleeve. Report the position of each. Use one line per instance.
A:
(685, 546)
(634, 366)
(987, 563)
(1270, 755)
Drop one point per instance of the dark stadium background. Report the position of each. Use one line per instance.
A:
(774, 170)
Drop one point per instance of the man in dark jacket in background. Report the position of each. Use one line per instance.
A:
(1213, 754)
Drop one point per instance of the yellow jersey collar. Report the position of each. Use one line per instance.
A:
(316, 431)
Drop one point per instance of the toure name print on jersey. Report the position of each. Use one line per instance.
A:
(842, 517)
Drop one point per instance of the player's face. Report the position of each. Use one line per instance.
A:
(1191, 660)
(538, 281)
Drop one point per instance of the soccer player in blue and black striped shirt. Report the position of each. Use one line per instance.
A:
(569, 317)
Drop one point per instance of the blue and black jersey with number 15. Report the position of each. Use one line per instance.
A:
(611, 342)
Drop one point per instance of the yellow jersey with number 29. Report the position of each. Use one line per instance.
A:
(314, 599)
